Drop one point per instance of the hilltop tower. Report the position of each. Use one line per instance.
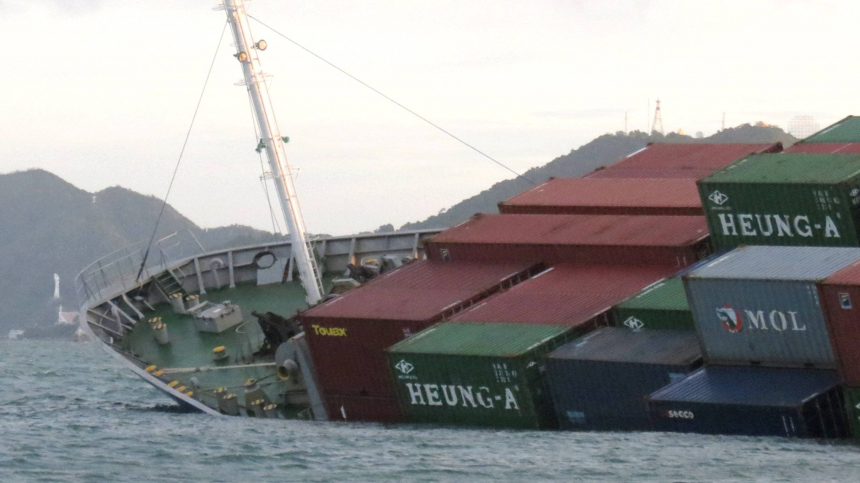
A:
(657, 125)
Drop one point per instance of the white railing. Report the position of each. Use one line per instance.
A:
(120, 271)
(117, 272)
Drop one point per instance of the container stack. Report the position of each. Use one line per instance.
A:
(348, 335)
(840, 138)
(615, 239)
(687, 161)
(839, 295)
(785, 199)
(608, 196)
(600, 239)
(759, 317)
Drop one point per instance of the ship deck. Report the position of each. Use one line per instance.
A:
(189, 353)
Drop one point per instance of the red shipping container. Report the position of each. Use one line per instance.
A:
(608, 196)
(673, 160)
(655, 173)
(675, 240)
(825, 148)
(569, 295)
(358, 408)
(840, 298)
(348, 335)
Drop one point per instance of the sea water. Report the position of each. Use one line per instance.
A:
(69, 413)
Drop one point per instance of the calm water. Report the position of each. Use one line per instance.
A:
(68, 412)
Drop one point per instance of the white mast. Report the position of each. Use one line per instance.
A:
(272, 142)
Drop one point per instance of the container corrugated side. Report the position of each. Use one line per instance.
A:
(600, 381)
(681, 240)
(784, 199)
(578, 296)
(477, 374)
(347, 335)
(852, 408)
(825, 148)
(760, 305)
(845, 131)
(662, 305)
(614, 196)
(840, 296)
(690, 156)
(754, 401)
(771, 322)
(362, 408)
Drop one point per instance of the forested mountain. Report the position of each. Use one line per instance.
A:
(602, 151)
(48, 226)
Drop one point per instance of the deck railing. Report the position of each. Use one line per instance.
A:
(117, 272)
(120, 271)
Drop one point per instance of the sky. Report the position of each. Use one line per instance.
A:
(102, 92)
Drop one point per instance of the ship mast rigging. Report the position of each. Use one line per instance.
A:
(272, 143)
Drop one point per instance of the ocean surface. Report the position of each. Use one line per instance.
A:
(70, 413)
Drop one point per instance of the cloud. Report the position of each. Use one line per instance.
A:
(62, 6)
(581, 113)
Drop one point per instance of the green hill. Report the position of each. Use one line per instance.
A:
(602, 151)
(50, 226)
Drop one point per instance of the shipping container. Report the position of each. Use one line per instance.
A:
(579, 296)
(600, 381)
(679, 240)
(844, 131)
(852, 409)
(753, 401)
(825, 148)
(692, 161)
(610, 196)
(784, 199)
(477, 374)
(363, 408)
(840, 294)
(760, 305)
(661, 305)
(654, 173)
(348, 335)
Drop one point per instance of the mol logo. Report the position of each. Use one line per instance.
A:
(730, 318)
(404, 367)
(761, 320)
(718, 197)
(634, 323)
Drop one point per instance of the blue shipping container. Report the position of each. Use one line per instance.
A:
(760, 305)
(600, 381)
(753, 401)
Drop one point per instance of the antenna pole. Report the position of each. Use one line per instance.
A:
(657, 125)
(247, 53)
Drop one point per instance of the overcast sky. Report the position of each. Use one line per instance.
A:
(101, 92)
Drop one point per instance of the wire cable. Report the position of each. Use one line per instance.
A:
(440, 128)
(181, 152)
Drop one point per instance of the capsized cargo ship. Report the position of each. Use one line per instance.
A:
(579, 306)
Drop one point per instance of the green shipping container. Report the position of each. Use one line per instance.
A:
(477, 374)
(852, 407)
(661, 305)
(844, 131)
(784, 199)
